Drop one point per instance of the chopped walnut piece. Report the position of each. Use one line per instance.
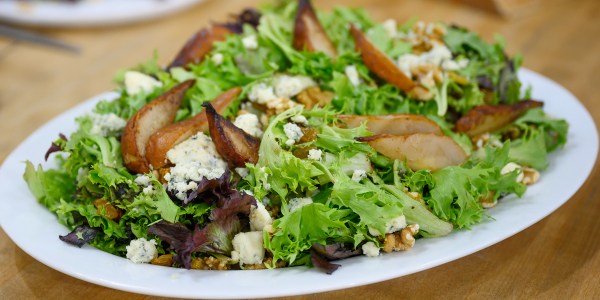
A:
(420, 92)
(161, 174)
(209, 263)
(401, 240)
(314, 96)
(165, 260)
(267, 262)
(279, 105)
(530, 176)
(424, 35)
(428, 75)
(107, 210)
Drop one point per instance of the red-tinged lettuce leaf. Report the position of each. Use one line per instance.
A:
(179, 237)
(336, 251)
(216, 236)
(322, 263)
(235, 203)
(212, 191)
(79, 236)
(56, 146)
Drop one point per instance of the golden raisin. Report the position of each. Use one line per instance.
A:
(314, 96)
(309, 135)
(107, 210)
(163, 260)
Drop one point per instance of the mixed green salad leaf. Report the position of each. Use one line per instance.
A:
(322, 189)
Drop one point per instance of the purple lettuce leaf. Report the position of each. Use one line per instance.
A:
(322, 263)
(216, 236)
(79, 236)
(336, 251)
(55, 146)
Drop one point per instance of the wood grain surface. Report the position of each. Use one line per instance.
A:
(557, 258)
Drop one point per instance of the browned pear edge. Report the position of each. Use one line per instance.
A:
(235, 145)
(488, 118)
(309, 33)
(200, 44)
(149, 119)
(379, 63)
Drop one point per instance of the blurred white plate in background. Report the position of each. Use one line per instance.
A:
(87, 12)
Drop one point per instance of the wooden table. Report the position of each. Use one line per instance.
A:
(559, 257)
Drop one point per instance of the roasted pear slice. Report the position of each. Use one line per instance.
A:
(196, 48)
(488, 118)
(309, 34)
(420, 150)
(167, 137)
(232, 143)
(394, 124)
(149, 119)
(379, 63)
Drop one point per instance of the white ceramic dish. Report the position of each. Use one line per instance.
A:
(36, 230)
(88, 12)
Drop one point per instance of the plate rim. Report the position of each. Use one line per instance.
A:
(140, 288)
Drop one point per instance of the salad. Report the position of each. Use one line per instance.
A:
(289, 137)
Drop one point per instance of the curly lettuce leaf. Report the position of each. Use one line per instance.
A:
(279, 169)
(297, 231)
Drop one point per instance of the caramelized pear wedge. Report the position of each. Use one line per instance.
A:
(379, 63)
(232, 143)
(488, 118)
(394, 124)
(196, 48)
(145, 122)
(309, 34)
(420, 150)
(167, 137)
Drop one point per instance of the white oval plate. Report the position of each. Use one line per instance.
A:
(36, 230)
(87, 12)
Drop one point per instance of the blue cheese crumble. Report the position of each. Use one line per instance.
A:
(250, 42)
(141, 250)
(106, 124)
(315, 154)
(136, 82)
(248, 248)
(370, 249)
(194, 159)
(289, 86)
(293, 133)
(250, 124)
(259, 217)
(275, 94)
(217, 58)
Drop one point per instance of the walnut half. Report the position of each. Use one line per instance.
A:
(401, 240)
